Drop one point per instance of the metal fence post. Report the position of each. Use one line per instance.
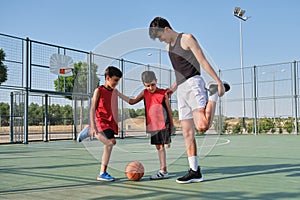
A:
(91, 78)
(26, 101)
(170, 85)
(75, 117)
(220, 121)
(255, 99)
(11, 119)
(46, 138)
(296, 95)
(122, 102)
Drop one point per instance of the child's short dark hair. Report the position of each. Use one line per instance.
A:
(158, 24)
(113, 71)
(148, 76)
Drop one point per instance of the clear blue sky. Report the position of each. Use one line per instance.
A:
(271, 35)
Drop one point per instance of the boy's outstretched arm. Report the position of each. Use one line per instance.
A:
(131, 101)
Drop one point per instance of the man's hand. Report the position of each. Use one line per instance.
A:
(221, 89)
(169, 92)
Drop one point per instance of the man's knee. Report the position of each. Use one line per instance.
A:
(202, 127)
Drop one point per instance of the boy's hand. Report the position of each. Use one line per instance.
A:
(92, 132)
(172, 129)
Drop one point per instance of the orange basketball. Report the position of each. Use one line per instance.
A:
(134, 171)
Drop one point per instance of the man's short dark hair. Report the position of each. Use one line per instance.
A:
(158, 24)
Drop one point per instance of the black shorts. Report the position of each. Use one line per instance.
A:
(109, 133)
(160, 137)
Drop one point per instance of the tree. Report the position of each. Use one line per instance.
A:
(4, 114)
(250, 127)
(289, 125)
(3, 68)
(4, 108)
(67, 114)
(78, 82)
(224, 127)
(223, 122)
(129, 113)
(140, 112)
(55, 114)
(35, 114)
(280, 130)
(265, 125)
(132, 113)
(175, 113)
(237, 128)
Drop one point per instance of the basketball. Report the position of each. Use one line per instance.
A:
(134, 171)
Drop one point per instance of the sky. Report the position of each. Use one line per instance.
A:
(113, 28)
(270, 36)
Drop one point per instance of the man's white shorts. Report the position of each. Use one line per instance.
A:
(191, 95)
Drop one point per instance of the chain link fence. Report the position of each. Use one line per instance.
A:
(37, 105)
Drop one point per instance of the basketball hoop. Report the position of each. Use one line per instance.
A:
(61, 65)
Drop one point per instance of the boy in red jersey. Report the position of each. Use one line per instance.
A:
(104, 118)
(159, 121)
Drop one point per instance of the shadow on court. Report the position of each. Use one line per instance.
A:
(256, 170)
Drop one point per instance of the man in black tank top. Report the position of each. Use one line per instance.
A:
(195, 107)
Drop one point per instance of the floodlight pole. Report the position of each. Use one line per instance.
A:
(241, 18)
(243, 75)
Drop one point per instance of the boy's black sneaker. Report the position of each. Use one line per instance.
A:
(191, 177)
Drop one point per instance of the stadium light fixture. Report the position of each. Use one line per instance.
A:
(239, 13)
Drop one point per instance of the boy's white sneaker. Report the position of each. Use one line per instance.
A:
(159, 175)
(85, 133)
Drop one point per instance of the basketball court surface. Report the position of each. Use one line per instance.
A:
(238, 167)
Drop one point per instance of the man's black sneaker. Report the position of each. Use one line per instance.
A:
(212, 87)
(191, 177)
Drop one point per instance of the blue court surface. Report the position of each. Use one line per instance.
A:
(234, 167)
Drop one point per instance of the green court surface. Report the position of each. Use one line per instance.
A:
(237, 167)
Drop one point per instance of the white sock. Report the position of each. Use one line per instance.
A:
(214, 97)
(193, 162)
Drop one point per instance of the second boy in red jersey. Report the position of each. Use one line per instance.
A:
(159, 121)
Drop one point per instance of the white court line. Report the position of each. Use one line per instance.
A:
(226, 141)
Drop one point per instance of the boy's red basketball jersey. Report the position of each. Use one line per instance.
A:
(157, 117)
(107, 110)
